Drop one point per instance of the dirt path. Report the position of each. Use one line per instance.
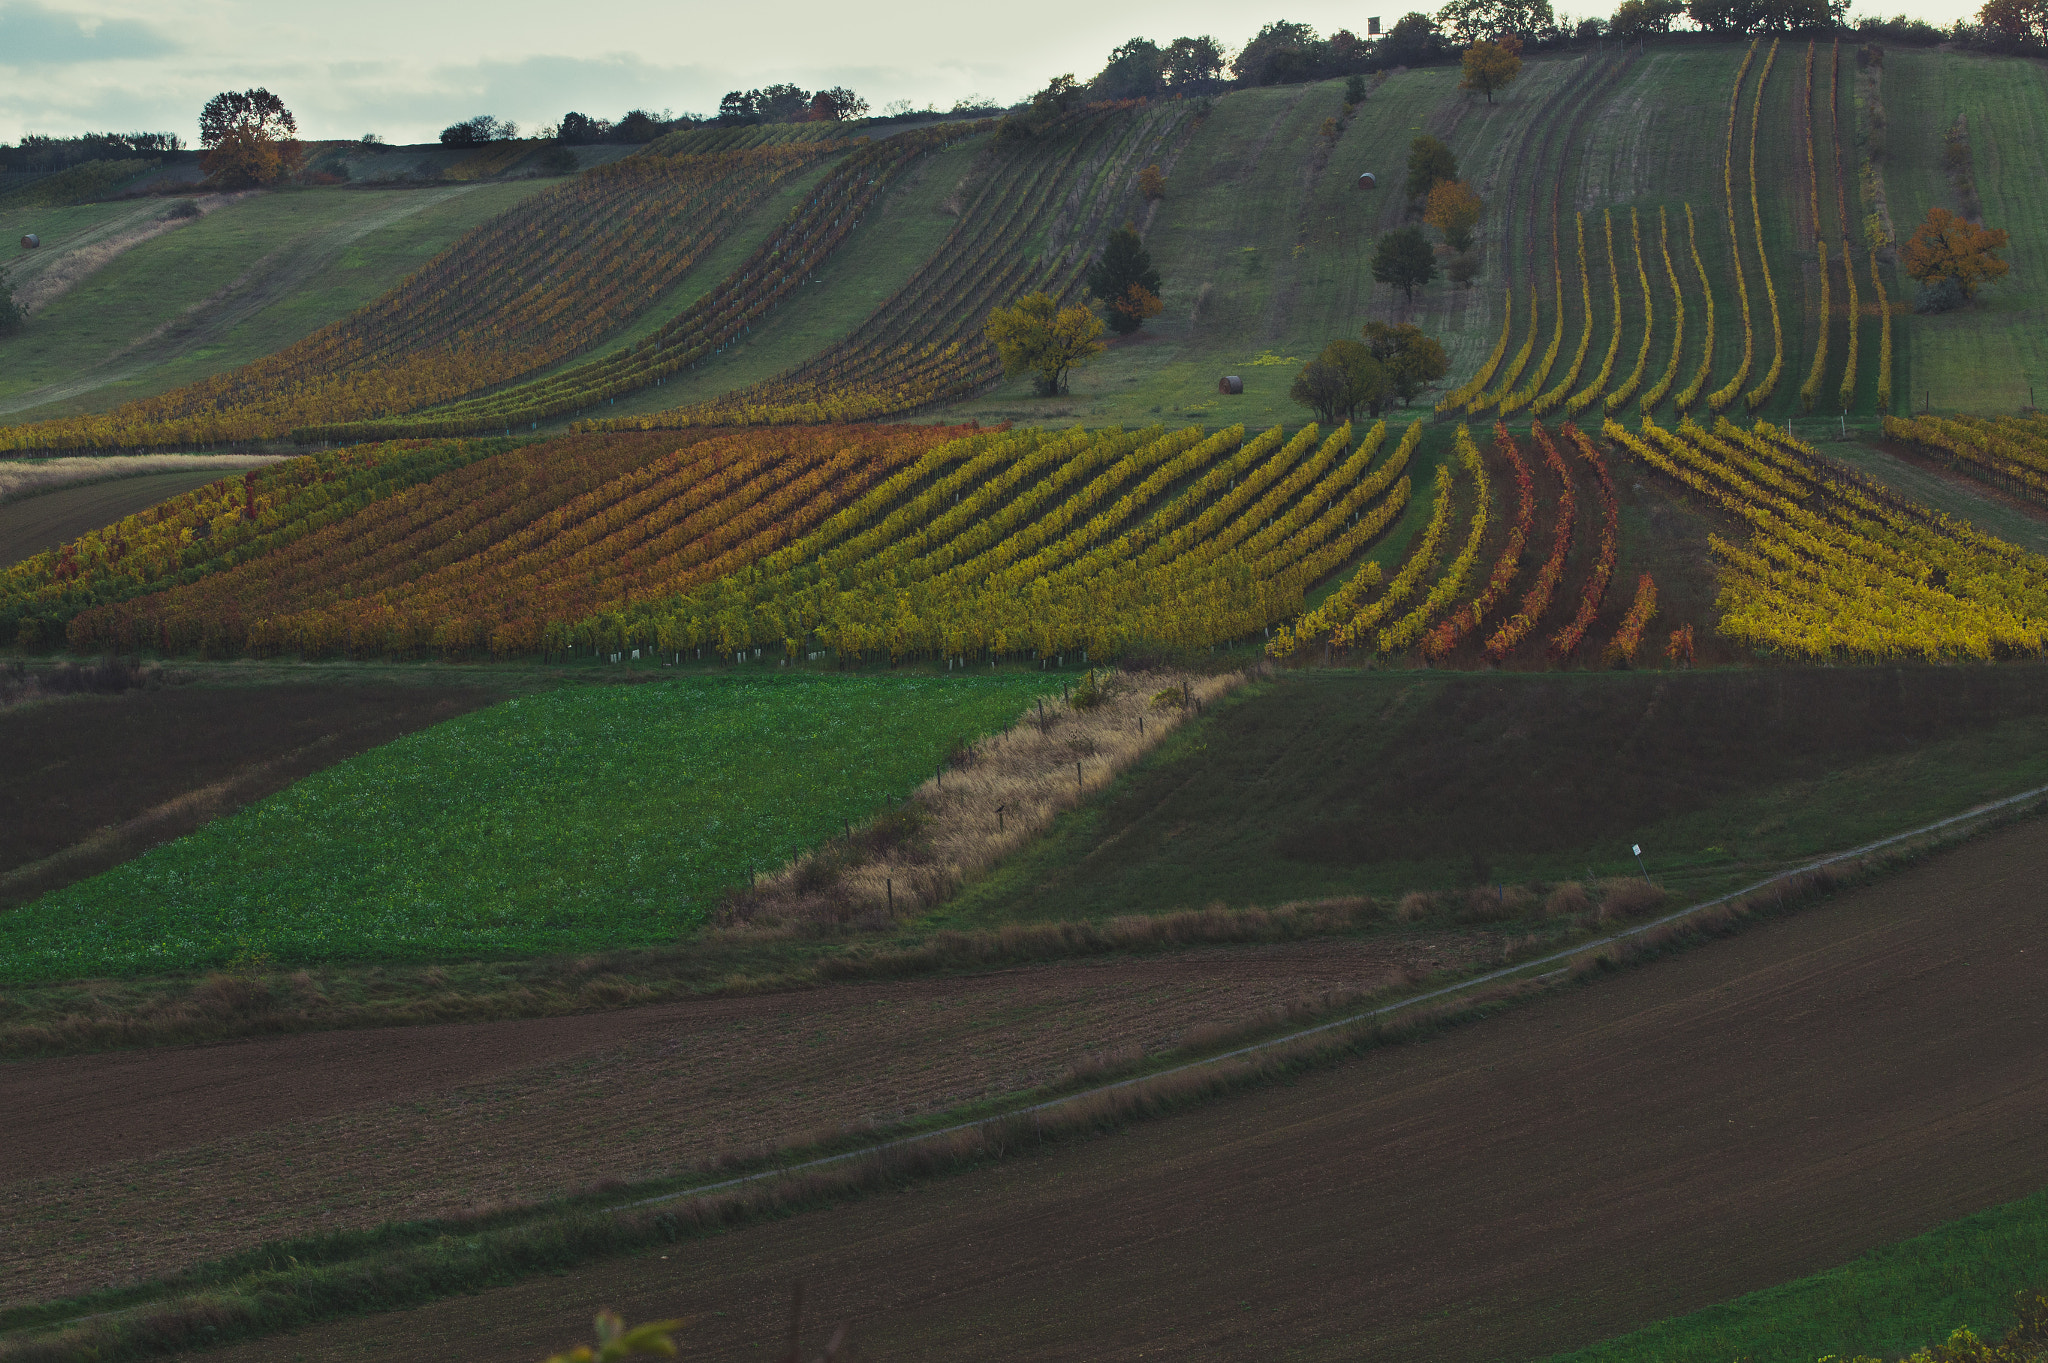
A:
(119, 1165)
(1734, 1117)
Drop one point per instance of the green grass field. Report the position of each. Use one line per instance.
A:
(1883, 1305)
(1983, 357)
(1382, 782)
(246, 280)
(577, 820)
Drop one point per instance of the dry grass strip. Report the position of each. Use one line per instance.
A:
(989, 801)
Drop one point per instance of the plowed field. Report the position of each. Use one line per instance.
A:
(1737, 1116)
(125, 1165)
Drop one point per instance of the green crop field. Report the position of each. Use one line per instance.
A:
(240, 283)
(577, 820)
(1381, 783)
(1884, 1304)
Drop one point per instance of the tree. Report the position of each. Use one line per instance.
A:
(1644, 18)
(1490, 67)
(1283, 53)
(1946, 247)
(1124, 264)
(578, 130)
(1137, 70)
(2019, 23)
(1488, 21)
(1192, 65)
(1453, 209)
(256, 110)
(837, 105)
(1152, 182)
(475, 132)
(1035, 335)
(1411, 358)
(1733, 17)
(1341, 382)
(1404, 259)
(12, 319)
(1412, 41)
(1428, 162)
(252, 139)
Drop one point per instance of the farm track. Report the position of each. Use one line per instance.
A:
(226, 1146)
(1747, 1113)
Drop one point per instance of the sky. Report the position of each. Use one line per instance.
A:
(406, 70)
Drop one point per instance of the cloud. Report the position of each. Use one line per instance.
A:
(31, 35)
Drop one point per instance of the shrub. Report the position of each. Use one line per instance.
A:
(184, 208)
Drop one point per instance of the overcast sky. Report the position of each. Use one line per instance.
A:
(406, 70)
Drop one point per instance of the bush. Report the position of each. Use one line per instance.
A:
(1943, 295)
(558, 161)
(12, 319)
(184, 208)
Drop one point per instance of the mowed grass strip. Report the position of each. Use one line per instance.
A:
(1883, 1304)
(576, 820)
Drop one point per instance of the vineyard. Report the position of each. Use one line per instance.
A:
(1643, 330)
(550, 277)
(1033, 224)
(1836, 566)
(770, 276)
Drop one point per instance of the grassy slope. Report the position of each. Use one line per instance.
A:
(1237, 205)
(244, 281)
(1381, 782)
(576, 820)
(1982, 358)
(1885, 1303)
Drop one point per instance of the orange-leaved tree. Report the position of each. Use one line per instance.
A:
(1946, 247)
(1490, 67)
(1453, 209)
(251, 139)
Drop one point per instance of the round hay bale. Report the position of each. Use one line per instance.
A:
(1368, 181)
(1231, 384)
(30, 242)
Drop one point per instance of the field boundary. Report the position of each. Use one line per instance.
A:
(1582, 950)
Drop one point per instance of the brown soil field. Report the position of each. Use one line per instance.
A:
(94, 780)
(134, 1164)
(1740, 1115)
(36, 525)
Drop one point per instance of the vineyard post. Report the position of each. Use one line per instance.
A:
(890, 887)
(1077, 776)
(999, 817)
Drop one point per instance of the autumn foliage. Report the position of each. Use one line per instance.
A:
(1948, 247)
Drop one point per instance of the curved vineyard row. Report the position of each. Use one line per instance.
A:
(1590, 394)
(1619, 398)
(1662, 388)
(1719, 399)
(1757, 396)
(1065, 187)
(485, 558)
(213, 528)
(548, 277)
(782, 264)
(1693, 389)
(1050, 545)
(901, 541)
(1836, 566)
